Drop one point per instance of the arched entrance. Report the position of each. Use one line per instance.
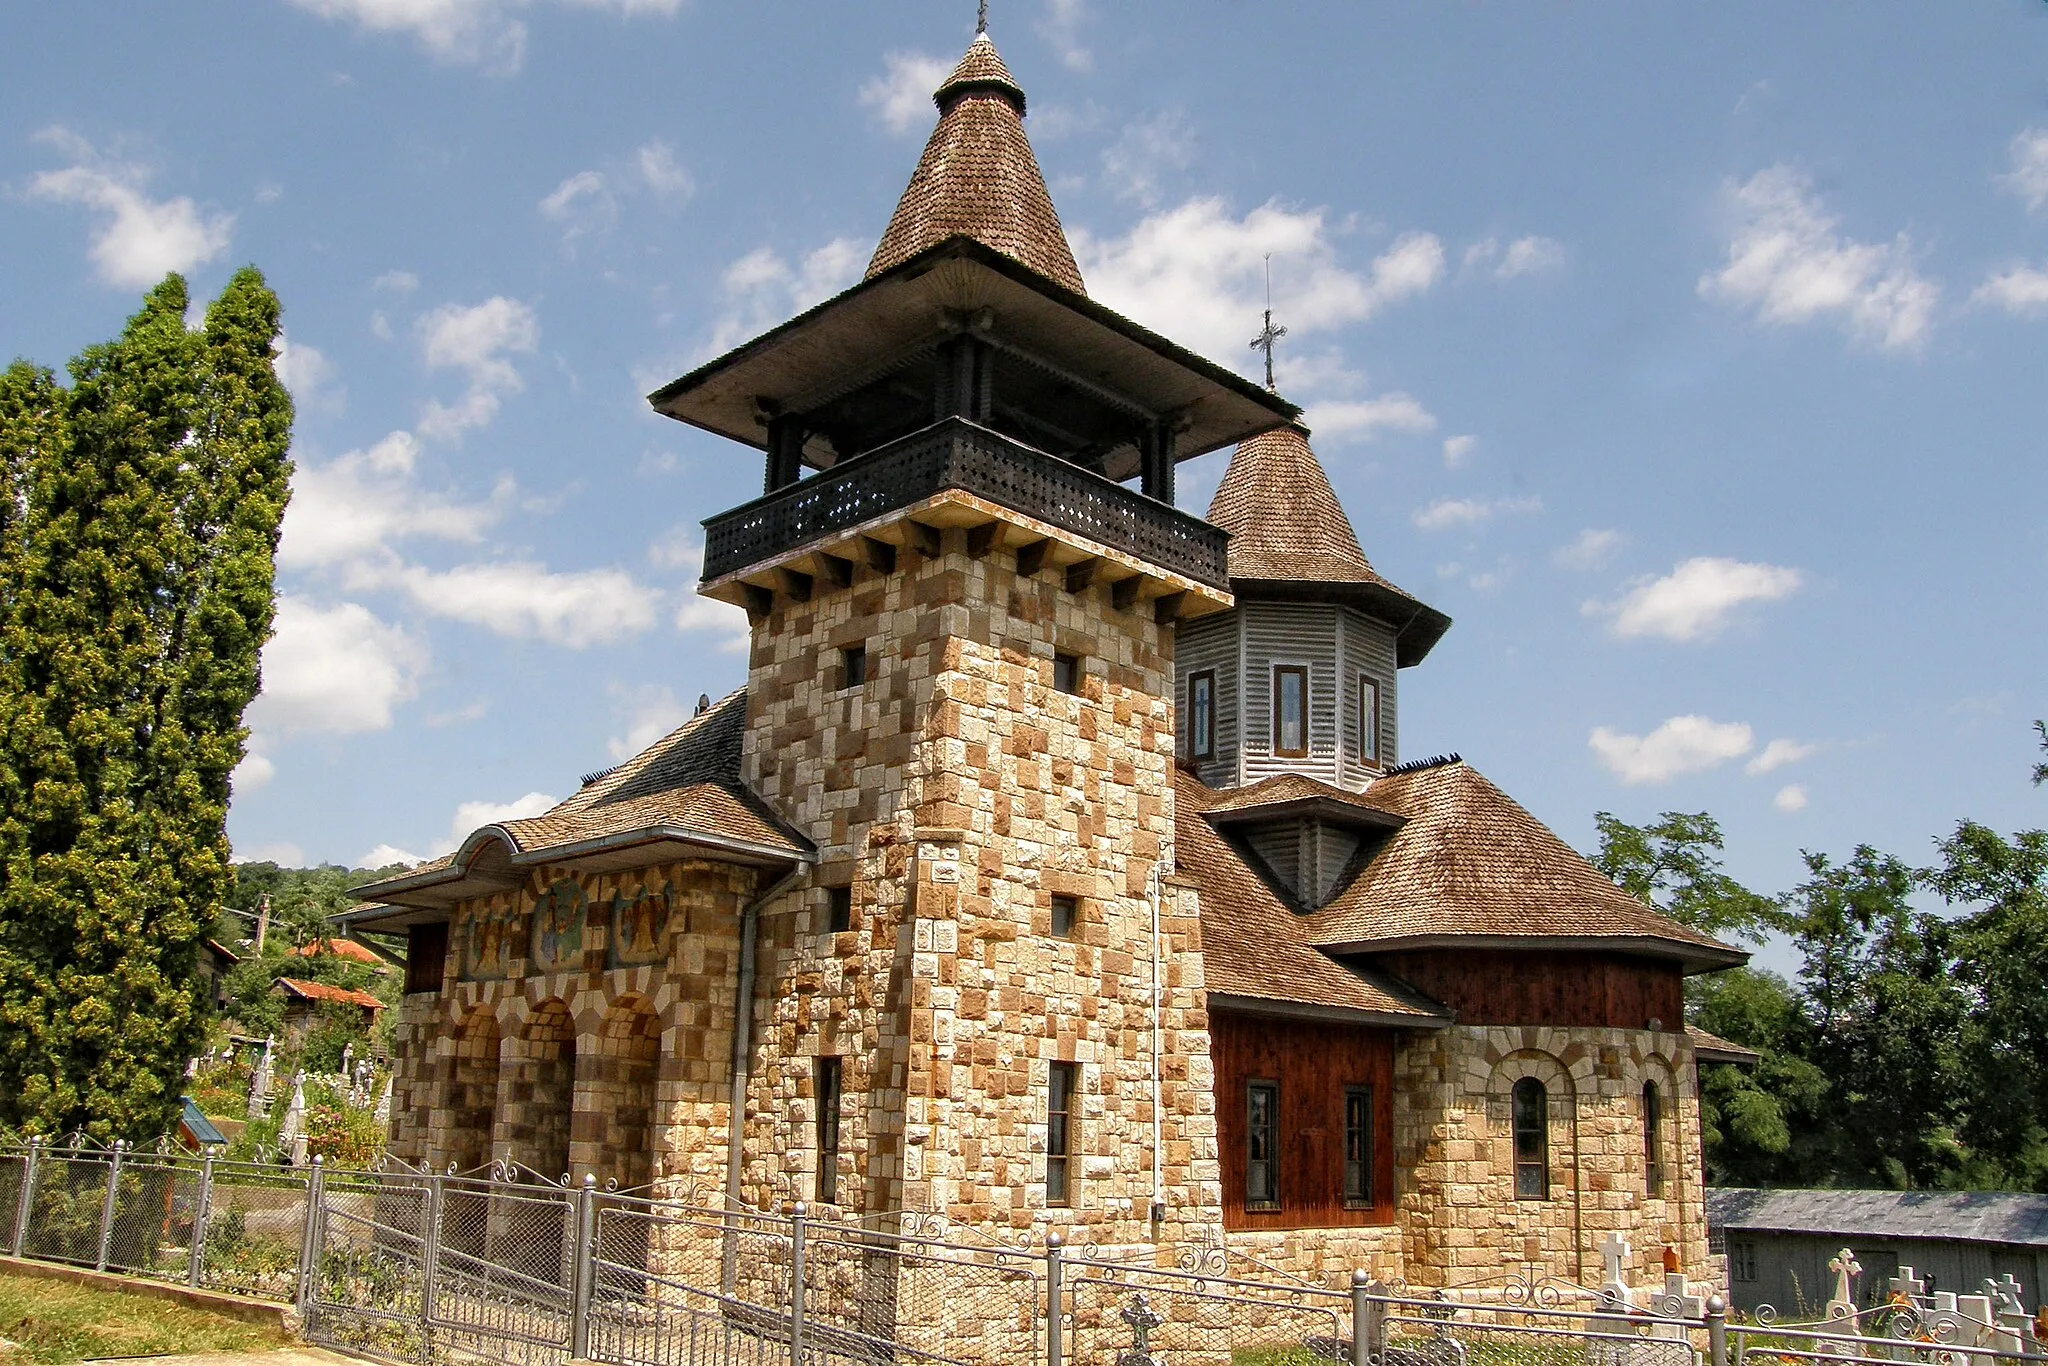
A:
(622, 1090)
(473, 1091)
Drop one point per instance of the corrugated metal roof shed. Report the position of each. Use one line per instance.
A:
(1964, 1216)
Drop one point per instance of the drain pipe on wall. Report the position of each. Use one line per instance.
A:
(743, 1031)
(1158, 1146)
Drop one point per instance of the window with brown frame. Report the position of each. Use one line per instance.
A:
(1653, 1140)
(1368, 719)
(1202, 714)
(426, 955)
(1358, 1145)
(826, 1083)
(1290, 710)
(1262, 1145)
(1530, 1107)
(1062, 1091)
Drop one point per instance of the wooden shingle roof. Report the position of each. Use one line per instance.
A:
(978, 178)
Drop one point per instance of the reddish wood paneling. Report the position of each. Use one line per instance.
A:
(1313, 1064)
(1499, 986)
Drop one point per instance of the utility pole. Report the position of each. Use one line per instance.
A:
(262, 922)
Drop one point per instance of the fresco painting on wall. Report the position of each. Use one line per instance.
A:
(490, 948)
(638, 929)
(558, 928)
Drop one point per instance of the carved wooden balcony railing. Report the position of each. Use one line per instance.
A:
(958, 454)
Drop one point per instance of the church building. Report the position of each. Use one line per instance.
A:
(1057, 868)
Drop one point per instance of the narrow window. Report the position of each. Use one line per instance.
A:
(853, 666)
(1532, 1140)
(1202, 715)
(1653, 1145)
(828, 1130)
(1290, 710)
(1742, 1263)
(1368, 720)
(1262, 1145)
(1066, 673)
(838, 909)
(1358, 1145)
(426, 955)
(1066, 914)
(1062, 1086)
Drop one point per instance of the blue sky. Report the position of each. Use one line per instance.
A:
(1691, 357)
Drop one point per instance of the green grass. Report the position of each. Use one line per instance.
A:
(46, 1321)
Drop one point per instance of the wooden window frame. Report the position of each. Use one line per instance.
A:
(1532, 1159)
(1062, 1090)
(1358, 1149)
(425, 969)
(1071, 666)
(827, 1075)
(853, 666)
(1653, 1139)
(839, 909)
(1066, 915)
(1202, 719)
(1281, 671)
(1271, 1201)
(1368, 719)
(1742, 1262)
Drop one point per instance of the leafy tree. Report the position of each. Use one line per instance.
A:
(2041, 769)
(1749, 1116)
(1674, 864)
(142, 506)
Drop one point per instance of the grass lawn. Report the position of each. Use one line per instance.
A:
(51, 1321)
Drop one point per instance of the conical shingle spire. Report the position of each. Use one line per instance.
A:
(1283, 517)
(979, 179)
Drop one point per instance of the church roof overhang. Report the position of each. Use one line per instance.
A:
(857, 336)
(1417, 626)
(1694, 958)
(1328, 808)
(1268, 1007)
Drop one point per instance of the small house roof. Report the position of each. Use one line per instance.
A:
(1713, 1048)
(343, 948)
(978, 178)
(319, 992)
(222, 951)
(201, 1130)
(2008, 1217)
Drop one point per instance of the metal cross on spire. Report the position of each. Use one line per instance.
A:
(981, 18)
(1269, 333)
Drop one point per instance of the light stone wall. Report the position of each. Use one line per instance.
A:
(956, 792)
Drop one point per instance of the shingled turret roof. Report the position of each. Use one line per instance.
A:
(1287, 528)
(979, 179)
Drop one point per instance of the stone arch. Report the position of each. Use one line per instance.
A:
(1561, 1092)
(473, 1090)
(540, 1124)
(620, 1093)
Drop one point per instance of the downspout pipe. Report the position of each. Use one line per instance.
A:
(1158, 1143)
(743, 1030)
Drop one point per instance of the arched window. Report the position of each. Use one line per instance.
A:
(1531, 1109)
(1653, 1139)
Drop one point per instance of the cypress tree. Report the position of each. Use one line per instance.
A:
(144, 506)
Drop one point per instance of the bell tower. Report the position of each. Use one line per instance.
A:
(961, 688)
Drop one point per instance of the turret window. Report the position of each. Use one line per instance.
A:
(1653, 1140)
(1530, 1107)
(1202, 715)
(1290, 710)
(1368, 719)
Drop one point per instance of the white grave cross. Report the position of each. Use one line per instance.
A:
(1846, 1268)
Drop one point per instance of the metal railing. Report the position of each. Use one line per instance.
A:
(958, 454)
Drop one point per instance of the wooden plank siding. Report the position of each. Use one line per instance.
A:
(1209, 643)
(1313, 1063)
(1530, 986)
(1368, 648)
(1289, 633)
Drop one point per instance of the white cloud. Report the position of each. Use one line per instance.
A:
(1776, 755)
(473, 816)
(309, 375)
(141, 239)
(1590, 549)
(902, 95)
(682, 549)
(1061, 27)
(284, 854)
(1682, 745)
(2022, 290)
(1132, 163)
(353, 507)
(763, 289)
(1362, 419)
(1790, 798)
(649, 712)
(2029, 176)
(396, 282)
(661, 173)
(338, 669)
(1197, 273)
(582, 203)
(1523, 256)
(587, 203)
(478, 32)
(1696, 599)
(385, 855)
(1458, 449)
(524, 600)
(1448, 513)
(255, 771)
(1788, 264)
(476, 340)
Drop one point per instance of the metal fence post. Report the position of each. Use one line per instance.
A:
(1361, 1315)
(309, 1234)
(796, 1285)
(1055, 1293)
(583, 1268)
(1717, 1330)
(107, 1207)
(202, 1207)
(19, 1243)
(430, 1253)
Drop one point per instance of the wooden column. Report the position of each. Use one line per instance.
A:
(785, 452)
(1155, 463)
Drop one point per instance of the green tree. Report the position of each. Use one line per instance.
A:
(142, 521)
(1674, 864)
